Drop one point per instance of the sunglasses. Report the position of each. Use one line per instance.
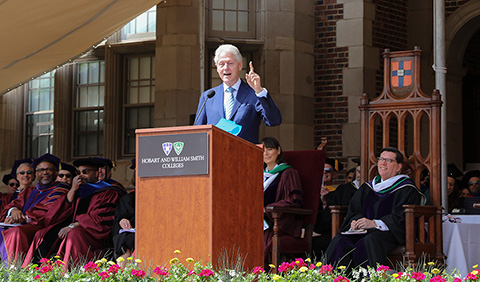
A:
(86, 170)
(473, 182)
(13, 184)
(67, 175)
(328, 170)
(25, 171)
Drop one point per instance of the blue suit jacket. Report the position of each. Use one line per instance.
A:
(248, 111)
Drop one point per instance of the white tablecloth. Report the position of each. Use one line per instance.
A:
(461, 243)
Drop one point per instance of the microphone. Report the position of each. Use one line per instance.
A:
(210, 94)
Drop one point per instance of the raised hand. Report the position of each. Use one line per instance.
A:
(253, 79)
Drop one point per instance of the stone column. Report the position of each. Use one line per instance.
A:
(177, 55)
(355, 32)
(288, 29)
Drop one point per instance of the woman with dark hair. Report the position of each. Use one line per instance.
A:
(281, 188)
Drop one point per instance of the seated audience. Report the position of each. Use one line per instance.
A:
(376, 209)
(12, 192)
(67, 173)
(124, 243)
(85, 225)
(453, 187)
(281, 188)
(322, 230)
(471, 180)
(34, 207)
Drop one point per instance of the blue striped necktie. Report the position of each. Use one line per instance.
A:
(230, 102)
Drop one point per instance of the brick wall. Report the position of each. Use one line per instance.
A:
(452, 5)
(331, 107)
(389, 31)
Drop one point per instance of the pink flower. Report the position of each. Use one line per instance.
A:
(383, 268)
(162, 271)
(137, 273)
(206, 273)
(58, 263)
(438, 278)
(457, 279)
(114, 268)
(341, 279)
(284, 267)
(36, 277)
(46, 268)
(44, 260)
(325, 268)
(312, 266)
(104, 275)
(418, 275)
(91, 266)
(257, 270)
(298, 263)
(191, 272)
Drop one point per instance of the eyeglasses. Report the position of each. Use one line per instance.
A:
(473, 182)
(327, 170)
(25, 171)
(47, 169)
(13, 184)
(86, 170)
(67, 175)
(387, 160)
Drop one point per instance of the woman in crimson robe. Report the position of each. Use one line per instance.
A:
(281, 188)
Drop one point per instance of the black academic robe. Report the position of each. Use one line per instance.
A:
(372, 248)
(125, 209)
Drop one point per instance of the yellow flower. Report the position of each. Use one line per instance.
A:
(342, 267)
(120, 259)
(308, 260)
(111, 263)
(303, 269)
(177, 252)
(395, 275)
(475, 272)
(319, 264)
(173, 260)
(431, 263)
(138, 261)
(98, 262)
(276, 277)
(129, 258)
(272, 266)
(103, 260)
(475, 266)
(190, 260)
(57, 257)
(435, 271)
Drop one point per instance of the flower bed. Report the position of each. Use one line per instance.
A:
(191, 270)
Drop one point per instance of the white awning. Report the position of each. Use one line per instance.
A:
(37, 36)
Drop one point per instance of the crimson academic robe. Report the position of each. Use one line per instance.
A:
(94, 209)
(95, 214)
(288, 194)
(37, 204)
(372, 248)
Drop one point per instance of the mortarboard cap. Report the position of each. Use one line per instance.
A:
(68, 167)
(46, 158)
(89, 161)
(338, 166)
(17, 163)
(6, 178)
(453, 171)
(468, 175)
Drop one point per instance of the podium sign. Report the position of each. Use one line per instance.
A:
(173, 155)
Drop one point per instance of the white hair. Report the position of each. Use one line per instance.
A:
(26, 164)
(227, 48)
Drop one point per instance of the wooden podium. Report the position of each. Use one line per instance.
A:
(202, 215)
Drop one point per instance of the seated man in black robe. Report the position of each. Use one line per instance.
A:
(375, 216)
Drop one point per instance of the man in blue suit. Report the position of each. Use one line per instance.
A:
(245, 104)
